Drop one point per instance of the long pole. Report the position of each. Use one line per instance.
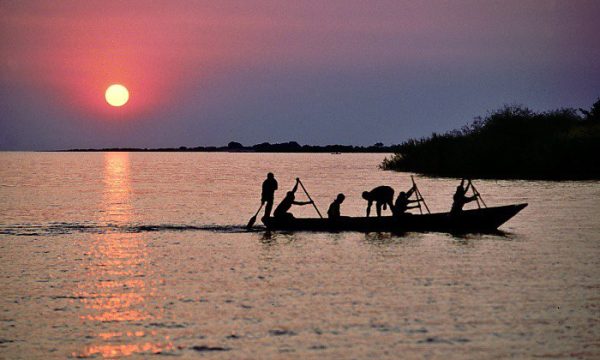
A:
(311, 200)
(474, 193)
(419, 196)
(424, 203)
(477, 194)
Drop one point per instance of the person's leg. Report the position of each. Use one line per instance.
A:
(391, 205)
(268, 208)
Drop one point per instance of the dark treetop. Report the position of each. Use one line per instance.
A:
(514, 143)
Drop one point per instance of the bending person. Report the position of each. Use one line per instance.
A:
(382, 196)
(403, 202)
(281, 211)
(460, 198)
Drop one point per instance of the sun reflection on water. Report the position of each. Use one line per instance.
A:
(116, 205)
(117, 292)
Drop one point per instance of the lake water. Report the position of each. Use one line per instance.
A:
(145, 255)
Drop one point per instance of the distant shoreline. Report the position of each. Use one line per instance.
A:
(288, 147)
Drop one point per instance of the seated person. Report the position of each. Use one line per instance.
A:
(382, 196)
(403, 201)
(334, 208)
(290, 199)
(460, 199)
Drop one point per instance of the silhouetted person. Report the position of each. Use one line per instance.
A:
(460, 198)
(403, 202)
(281, 211)
(382, 196)
(334, 209)
(268, 193)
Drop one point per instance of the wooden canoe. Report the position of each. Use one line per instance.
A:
(468, 221)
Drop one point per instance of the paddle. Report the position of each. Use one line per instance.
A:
(253, 219)
(311, 200)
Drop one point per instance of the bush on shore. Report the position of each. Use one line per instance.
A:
(513, 142)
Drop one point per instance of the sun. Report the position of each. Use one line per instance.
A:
(116, 95)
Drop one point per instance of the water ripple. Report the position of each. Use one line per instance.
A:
(51, 229)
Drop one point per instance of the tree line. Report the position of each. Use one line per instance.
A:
(291, 147)
(513, 142)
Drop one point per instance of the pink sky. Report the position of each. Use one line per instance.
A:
(194, 55)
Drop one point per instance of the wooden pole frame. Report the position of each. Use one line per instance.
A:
(309, 198)
(419, 197)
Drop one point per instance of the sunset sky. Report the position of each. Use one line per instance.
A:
(316, 72)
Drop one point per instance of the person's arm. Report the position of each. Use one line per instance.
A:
(411, 191)
(412, 206)
(369, 208)
(296, 186)
(301, 202)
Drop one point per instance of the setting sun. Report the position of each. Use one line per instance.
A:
(116, 95)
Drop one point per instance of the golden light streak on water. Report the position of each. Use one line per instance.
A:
(116, 290)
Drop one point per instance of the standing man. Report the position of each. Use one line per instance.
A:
(383, 196)
(268, 193)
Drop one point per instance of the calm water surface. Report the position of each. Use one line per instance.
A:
(144, 255)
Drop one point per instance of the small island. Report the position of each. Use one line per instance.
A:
(513, 142)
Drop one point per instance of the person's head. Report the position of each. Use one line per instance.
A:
(270, 175)
(459, 189)
(366, 195)
(290, 194)
(340, 198)
(402, 195)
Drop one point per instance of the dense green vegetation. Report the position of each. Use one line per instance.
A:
(512, 143)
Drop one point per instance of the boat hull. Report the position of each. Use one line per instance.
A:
(476, 220)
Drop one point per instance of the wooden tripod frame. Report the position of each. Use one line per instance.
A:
(419, 197)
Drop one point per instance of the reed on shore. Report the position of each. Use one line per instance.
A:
(513, 142)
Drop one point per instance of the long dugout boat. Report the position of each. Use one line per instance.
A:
(467, 221)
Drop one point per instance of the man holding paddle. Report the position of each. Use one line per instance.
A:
(460, 198)
(403, 202)
(290, 199)
(268, 193)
